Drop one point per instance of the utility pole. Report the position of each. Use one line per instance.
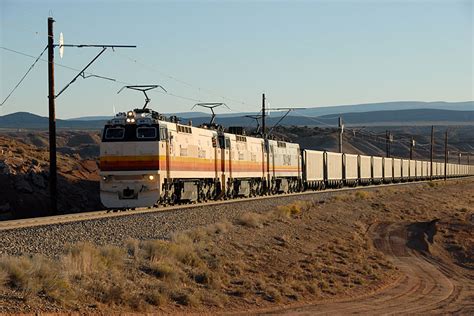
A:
(445, 155)
(341, 131)
(431, 152)
(265, 144)
(263, 117)
(412, 146)
(52, 122)
(388, 143)
(52, 99)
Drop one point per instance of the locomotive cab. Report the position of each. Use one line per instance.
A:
(129, 160)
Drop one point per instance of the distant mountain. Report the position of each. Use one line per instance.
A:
(399, 117)
(375, 118)
(416, 115)
(386, 106)
(91, 118)
(25, 120)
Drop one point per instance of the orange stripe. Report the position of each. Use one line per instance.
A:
(123, 163)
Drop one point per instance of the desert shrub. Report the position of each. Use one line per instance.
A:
(112, 256)
(181, 249)
(253, 220)
(362, 195)
(432, 184)
(17, 270)
(35, 275)
(132, 246)
(271, 294)
(290, 209)
(163, 270)
(155, 297)
(3, 278)
(220, 228)
(185, 298)
(83, 259)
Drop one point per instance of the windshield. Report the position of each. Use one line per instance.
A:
(114, 133)
(146, 132)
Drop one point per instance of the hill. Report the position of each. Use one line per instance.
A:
(25, 120)
(388, 106)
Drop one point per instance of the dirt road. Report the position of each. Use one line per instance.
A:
(430, 283)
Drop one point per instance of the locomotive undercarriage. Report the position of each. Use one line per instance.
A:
(200, 190)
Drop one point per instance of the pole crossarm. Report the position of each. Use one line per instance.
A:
(81, 73)
(88, 45)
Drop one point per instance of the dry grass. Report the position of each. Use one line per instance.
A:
(185, 270)
(292, 210)
(33, 276)
(362, 195)
(253, 220)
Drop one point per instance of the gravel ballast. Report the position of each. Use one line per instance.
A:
(51, 240)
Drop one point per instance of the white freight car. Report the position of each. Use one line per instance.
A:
(351, 166)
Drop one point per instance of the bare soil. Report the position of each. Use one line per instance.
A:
(393, 250)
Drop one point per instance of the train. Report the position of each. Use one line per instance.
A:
(147, 159)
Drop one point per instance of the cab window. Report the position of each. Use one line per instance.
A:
(146, 133)
(114, 133)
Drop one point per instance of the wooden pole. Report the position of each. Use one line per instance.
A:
(52, 122)
(446, 155)
(431, 152)
(341, 131)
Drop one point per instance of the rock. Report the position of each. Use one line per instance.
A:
(5, 168)
(22, 185)
(38, 179)
(5, 207)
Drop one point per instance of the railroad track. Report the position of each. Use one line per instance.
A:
(87, 216)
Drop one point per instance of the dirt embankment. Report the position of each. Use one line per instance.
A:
(24, 173)
(398, 249)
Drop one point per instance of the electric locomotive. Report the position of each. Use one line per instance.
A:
(147, 159)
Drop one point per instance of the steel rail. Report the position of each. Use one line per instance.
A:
(104, 214)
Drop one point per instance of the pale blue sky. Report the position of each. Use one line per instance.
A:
(305, 54)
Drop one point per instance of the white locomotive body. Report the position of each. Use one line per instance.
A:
(146, 160)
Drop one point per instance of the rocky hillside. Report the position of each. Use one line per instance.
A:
(24, 161)
(24, 172)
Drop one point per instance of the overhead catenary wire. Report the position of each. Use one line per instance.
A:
(184, 82)
(317, 120)
(24, 76)
(96, 75)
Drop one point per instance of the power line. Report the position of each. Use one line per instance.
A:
(24, 76)
(93, 74)
(183, 82)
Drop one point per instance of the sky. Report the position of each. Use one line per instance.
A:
(299, 53)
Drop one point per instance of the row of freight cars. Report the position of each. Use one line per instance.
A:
(327, 169)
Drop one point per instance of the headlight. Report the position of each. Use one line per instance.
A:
(130, 113)
(151, 177)
(132, 120)
(128, 120)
